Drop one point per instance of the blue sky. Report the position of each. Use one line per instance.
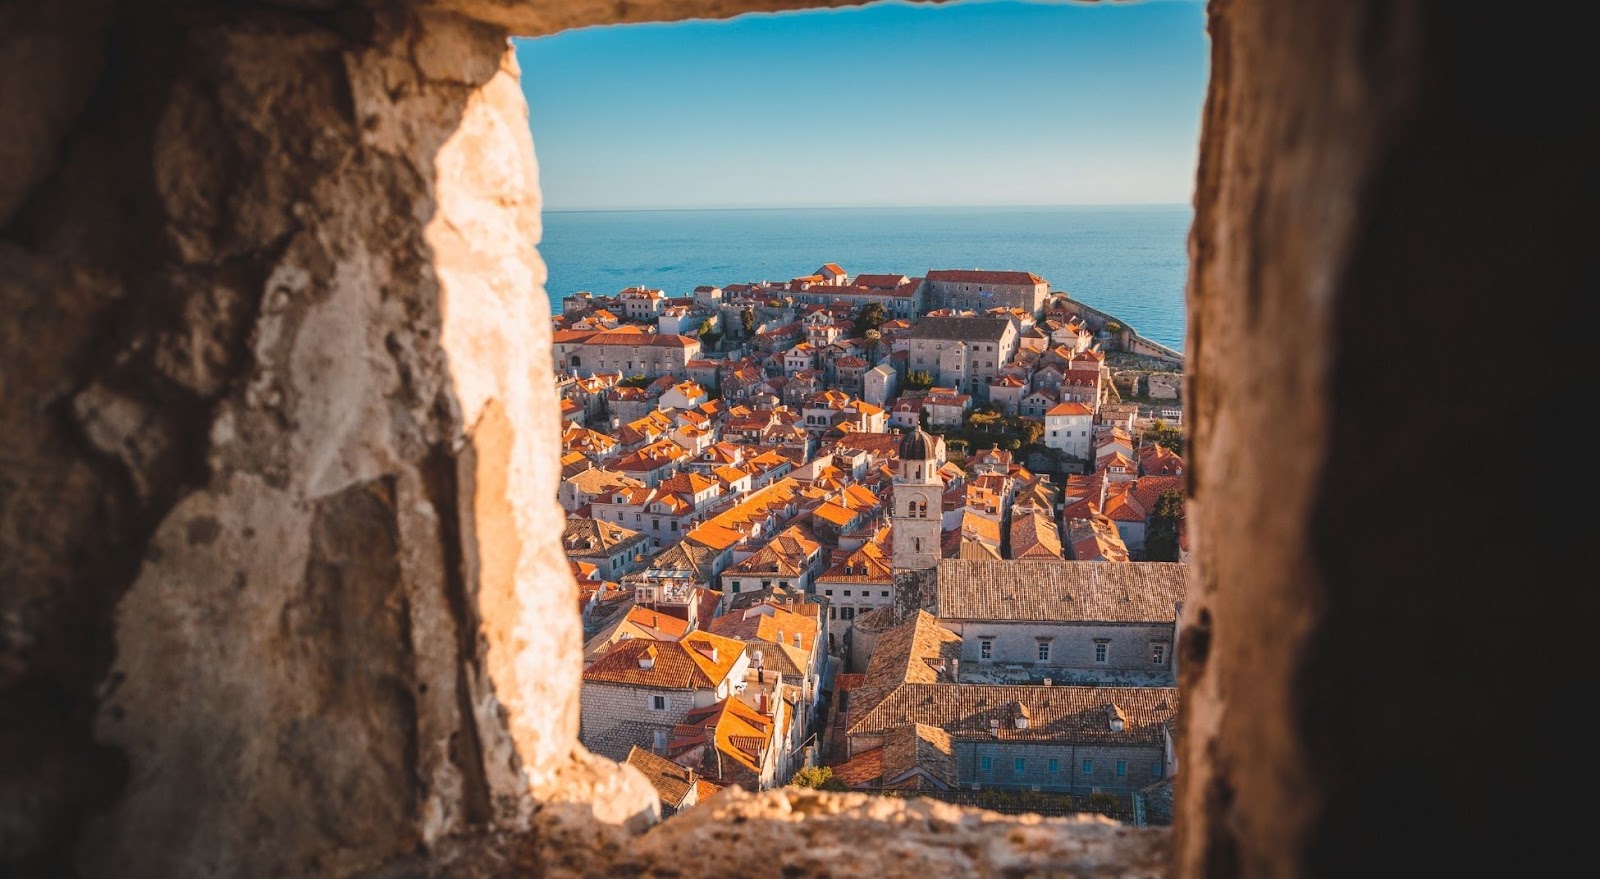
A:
(893, 104)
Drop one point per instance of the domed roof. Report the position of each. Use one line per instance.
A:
(918, 446)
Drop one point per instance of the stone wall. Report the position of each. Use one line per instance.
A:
(1071, 646)
(606, 705)
(282, 593)
(1068, 775)
(278, 503)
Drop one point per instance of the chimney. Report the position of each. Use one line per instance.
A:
(1048, 682)
(955, 669)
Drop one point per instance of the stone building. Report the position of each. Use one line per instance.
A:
(917, 502)
(649, 354)
(613, 549)
(965, 353)
(1085, 622)
(658, 682)
(1047, 737)
(979, 290)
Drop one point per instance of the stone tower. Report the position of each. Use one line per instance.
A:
(917, 503)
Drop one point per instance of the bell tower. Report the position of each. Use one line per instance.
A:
(917, 508)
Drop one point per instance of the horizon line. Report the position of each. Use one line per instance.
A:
(1085, 205)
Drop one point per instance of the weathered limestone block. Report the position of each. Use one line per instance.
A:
(792, 833)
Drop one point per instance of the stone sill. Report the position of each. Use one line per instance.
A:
(795, 833)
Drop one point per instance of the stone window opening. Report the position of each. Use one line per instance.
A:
(1289, 257)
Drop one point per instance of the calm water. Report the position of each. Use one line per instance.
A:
(1129, 261)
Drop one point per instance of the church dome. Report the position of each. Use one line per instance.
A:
(918, 446)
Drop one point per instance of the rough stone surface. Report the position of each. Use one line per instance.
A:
(1375, 180)
(278, 499)
(791, 833)
(531, 19)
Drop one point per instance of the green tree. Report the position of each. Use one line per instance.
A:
(708, 332)
(873, 340)
(635, 381)
(1013, 444)
(747, 320)
(817, 777)
(919, 380)
(1030, 431)
(987, 422)
(1161, 539)
(1164, 434)
(870, 317)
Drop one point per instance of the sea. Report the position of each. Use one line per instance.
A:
(1129, 261)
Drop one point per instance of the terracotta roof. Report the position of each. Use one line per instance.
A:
(1095, 538)
(671, 781)
(671, 627)
(741, 733)
(1049, 591)
(1076, 714)
(1034, 536)
(881, 282)
(687, 664)
(686, 558)
(1069, 408)
(687, 482)
(980, 527)
(868, 563)
(587, 537)
(864, 770)
(768, 622)
(636, 339)
(599, 481)
(1158, 460)
(915, 746)
(977, 276)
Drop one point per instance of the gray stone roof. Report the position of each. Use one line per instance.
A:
(962, 329)
(1067, 591)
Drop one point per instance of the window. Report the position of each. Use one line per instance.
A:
(1100, 651)
(884, 594)
(1044, 651)
(1088, 767)
(1019, 765)
(847, 593)
(847, 613)
(833, 614)
(1122, 768)
(827, 592)
(736, 585)
(986, 648)
(1055, 765)
(658, 703)
(985, 764)
(1155, 768)
(1158, 654)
